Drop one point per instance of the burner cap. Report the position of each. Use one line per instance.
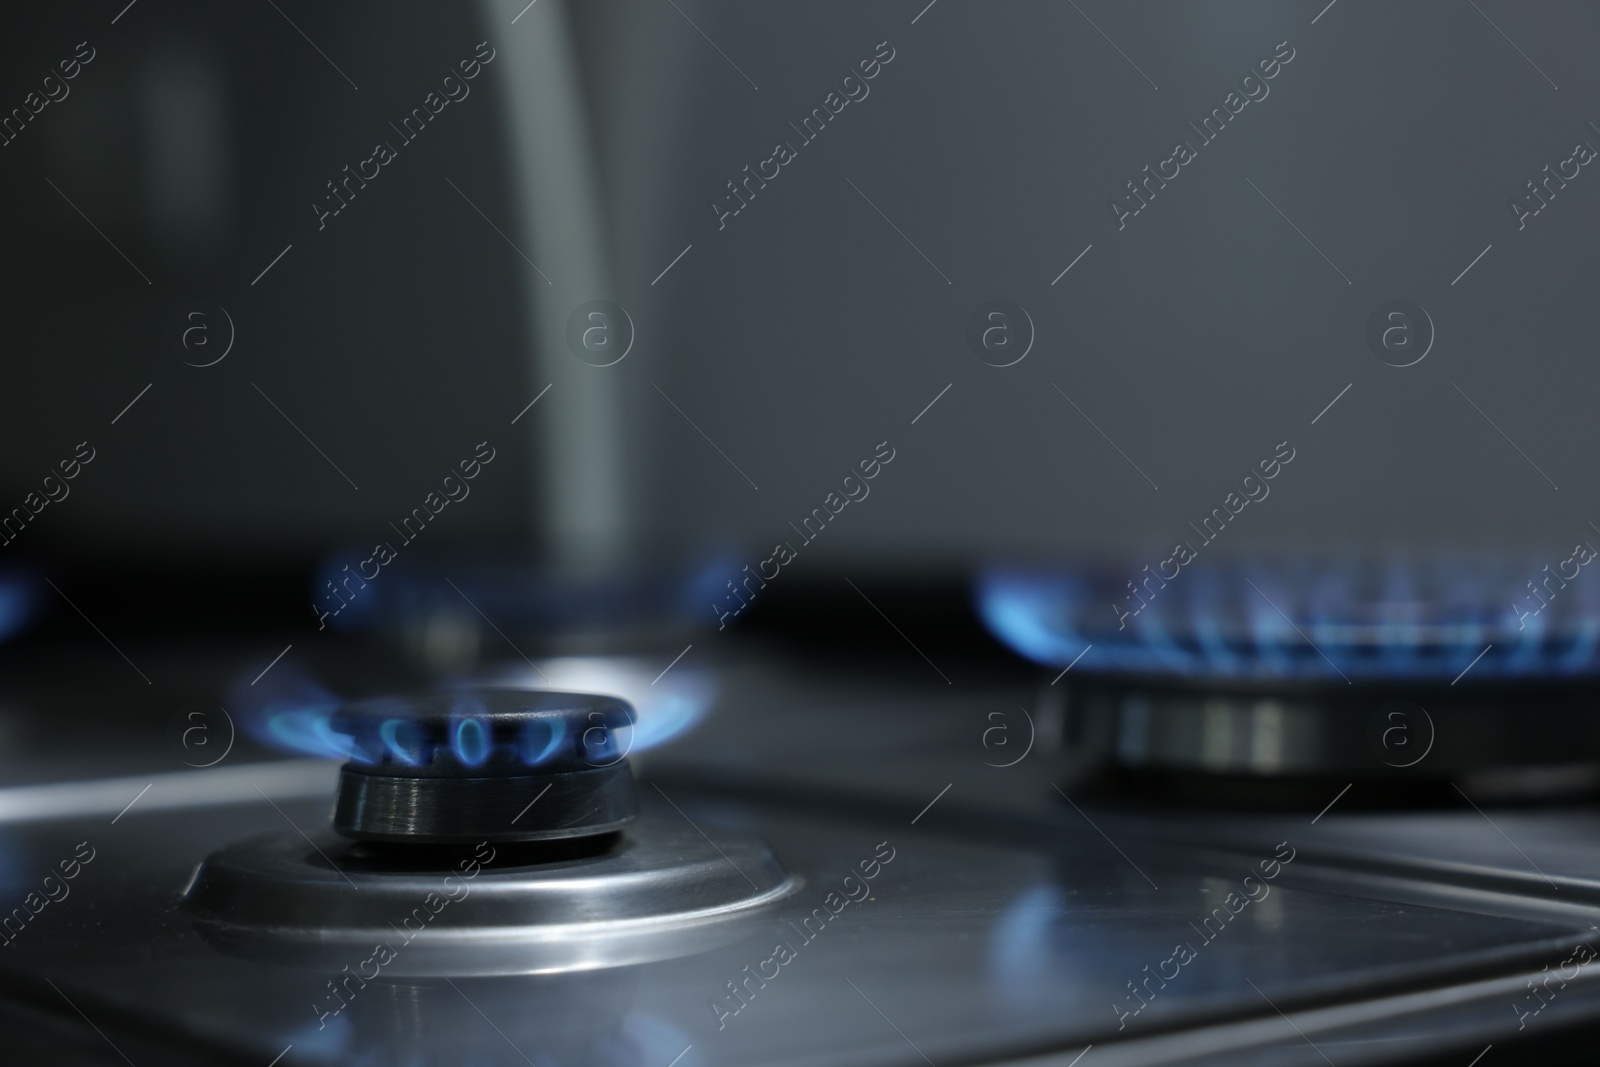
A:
(485, 765)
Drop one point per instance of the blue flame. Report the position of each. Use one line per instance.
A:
(470, 740)
(541, 738)
(671, 714)
(349, 595)
(290, 711)
(666, 706)
(409, 750)
(19, 600)
(601, 743)
(1299, 621)
(307, 730)
(286, 709)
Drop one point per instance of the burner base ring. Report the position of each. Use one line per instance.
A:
(657, 892)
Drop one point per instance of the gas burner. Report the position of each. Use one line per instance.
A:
(1303, 621)
(1283, 677)
(485, 766)
(485, 833)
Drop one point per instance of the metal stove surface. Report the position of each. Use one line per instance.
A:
(1010, 925)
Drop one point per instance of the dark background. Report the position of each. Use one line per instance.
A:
(808, 330)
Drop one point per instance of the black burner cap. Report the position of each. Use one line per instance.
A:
(485, 765)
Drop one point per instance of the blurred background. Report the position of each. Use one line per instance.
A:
(168, 212)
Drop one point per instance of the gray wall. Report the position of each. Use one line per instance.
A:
(196, 141)
(1197, 338)
(808, 329)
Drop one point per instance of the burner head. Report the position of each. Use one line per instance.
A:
(485, 765)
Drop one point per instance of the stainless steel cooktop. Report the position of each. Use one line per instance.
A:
(946, 887)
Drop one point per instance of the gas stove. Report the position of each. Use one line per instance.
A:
(928, 618)
(775, 855)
